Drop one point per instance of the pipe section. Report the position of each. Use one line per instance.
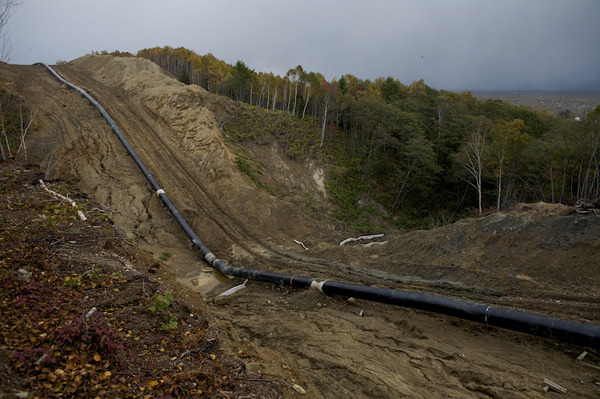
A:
(549, 327)
(564, 330)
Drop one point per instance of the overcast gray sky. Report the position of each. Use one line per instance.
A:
(451, 44)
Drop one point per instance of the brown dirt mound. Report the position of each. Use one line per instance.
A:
(532, 247)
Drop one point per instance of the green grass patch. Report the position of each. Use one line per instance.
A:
(299, 136)
(252, 170)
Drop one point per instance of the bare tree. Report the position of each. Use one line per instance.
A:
(5, 136)
(7, 9)
(471, 156)
(443, 104)
(18, 134)
(324, 121)
(306, 97)
(25, 125)
(274, 97)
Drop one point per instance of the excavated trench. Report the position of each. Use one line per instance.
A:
(334, 347)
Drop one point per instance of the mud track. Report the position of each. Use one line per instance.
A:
(333, 347)
(171, 165)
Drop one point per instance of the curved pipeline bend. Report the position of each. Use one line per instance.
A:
(283, 279)
(550, 327)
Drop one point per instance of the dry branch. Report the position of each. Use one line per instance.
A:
(63, 198)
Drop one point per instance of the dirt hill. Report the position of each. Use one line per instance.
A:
(540, 258)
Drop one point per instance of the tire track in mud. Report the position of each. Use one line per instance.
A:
(386, 352)
(163, 163)
(366, 375)
(172, 173)
(133, 125)
(117, 173)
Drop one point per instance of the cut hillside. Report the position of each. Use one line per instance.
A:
(181, 142)
(251, 195)
(231, 171)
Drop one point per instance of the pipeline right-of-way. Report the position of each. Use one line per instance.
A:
(568, 331)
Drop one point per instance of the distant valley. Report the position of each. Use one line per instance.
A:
(568, 104)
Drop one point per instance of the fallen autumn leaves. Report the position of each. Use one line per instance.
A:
(55, 269)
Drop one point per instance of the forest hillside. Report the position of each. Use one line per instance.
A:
(406, 154)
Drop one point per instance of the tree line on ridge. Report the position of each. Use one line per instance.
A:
(417, 152)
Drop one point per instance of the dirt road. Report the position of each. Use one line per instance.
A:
(538, 258)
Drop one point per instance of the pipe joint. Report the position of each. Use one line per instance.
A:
(318, 286)
(486, 313)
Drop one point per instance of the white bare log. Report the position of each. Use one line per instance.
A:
(234, 289)
(370, 237)
(91, 312)
(376, 243)
(63, 198)
(301, 243)
(554, 386)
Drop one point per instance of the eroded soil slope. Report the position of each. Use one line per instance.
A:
(540, 258)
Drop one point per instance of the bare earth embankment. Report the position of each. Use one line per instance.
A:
(539, 258)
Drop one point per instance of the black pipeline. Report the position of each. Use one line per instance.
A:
(282, 279)
(550, 327)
